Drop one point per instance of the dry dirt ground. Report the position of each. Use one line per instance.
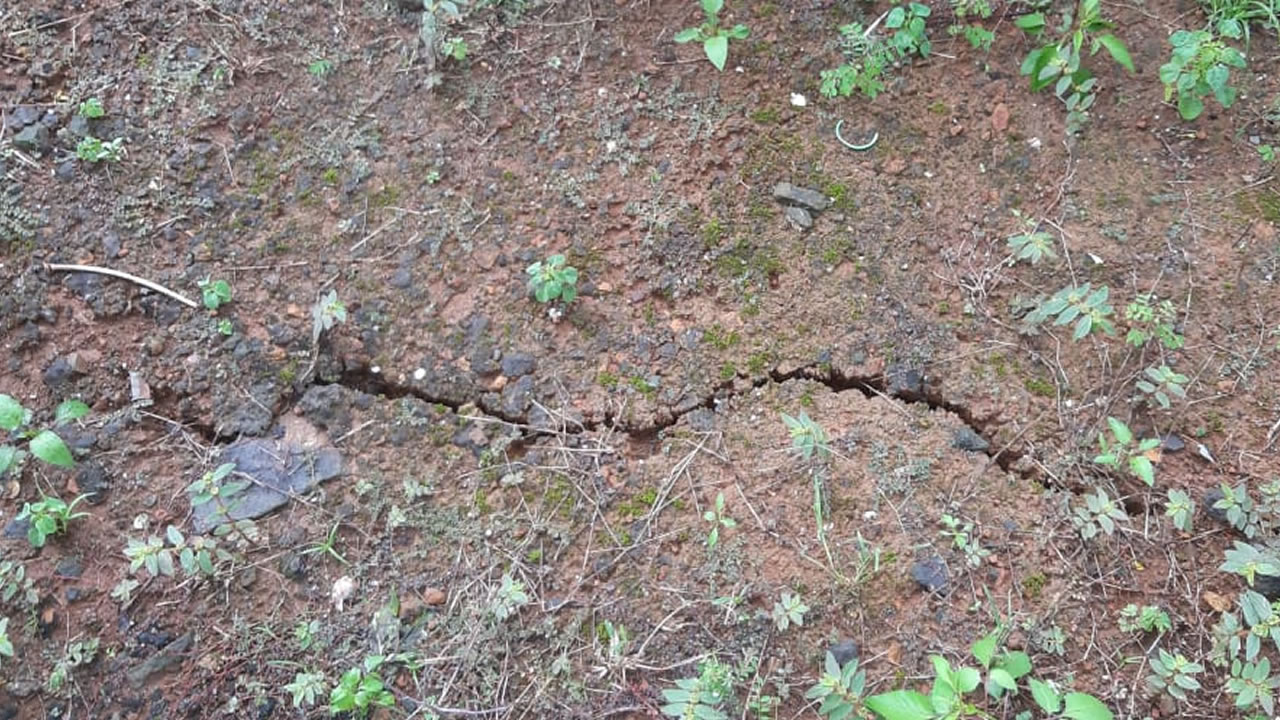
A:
(507, 498)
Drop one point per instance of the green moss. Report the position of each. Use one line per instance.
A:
(999, 365)
(639, 505)
(840, 194)
(728, 371)
(330, 176)
(607, 380)
(1041, 387)
(1033, 585)
(758, 362)
(534, 557)
(720, 338)
(712, 233)
(1263, 204)
(388, 196)
(642, 386)
(806, 399)
(765, 116)
(480, 501)
(939, 108)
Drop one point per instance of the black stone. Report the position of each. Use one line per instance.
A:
(931, 574)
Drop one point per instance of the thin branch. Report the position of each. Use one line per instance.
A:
(123, 276)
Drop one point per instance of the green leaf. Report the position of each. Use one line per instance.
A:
(985, 648)
(896, 18)
(966, 679)
(717, 49)
(1002, 678)
(684, 36)
(1123, 435)
(1016, 663)
(1032, 23)
(712, 7)
(1080, 706)
(901, 705)
(8, 454)
(1189, 106)
(1143, 469)
(11, 413)
(740, 32)
(49, 447)
(1118, 51)
(1045, 696)
(70, 410)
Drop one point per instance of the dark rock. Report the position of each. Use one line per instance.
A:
(171, 655)
(24, 115)
(293, 565)
(701, 419)
(844, 651)
(402, 278)
(481, 359)
(798, 217)
(518, 363)
(156, 639)
(93, 482)
(65, 171)
(240, 415)
(1211, 496)
(32, 138)
(58, 372)
(279, 471)
(1171, 442)
(78, 127)
(75, 594)
(1268, 586)
(17, 528)
(966, 439)
(326, 406)
(517, 397)
(69, 568)
(807, 198)
(930, 573)
(111, 245)
(904, 381)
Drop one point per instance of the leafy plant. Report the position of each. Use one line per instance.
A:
(455, 47)
(15, 421)
(1253, 685)
(714, 38)
(1003, 670)
(91, 109)
(699, 698)
(1098, 513)
(1085, 306)
(978, 37)
(328, 546)
(508, 598)
(1120, 451)
(49, 516)
(1152, 318)
(306, 687)
(1148, 618)
(868, 56)
(320, 67)
(6, 645)
(216, 293)
(907, 24)
(1267, 153)
(361, 689)
(552, 278)
(16, 589)
(1161, 382)
(94, 150)
(1174, 674)
(716, 516)
(80, 652)
(1181, 508)
(1060, 63)
(807, 436)
(839, 689)
(1199, 66)
(1248, 561)
(327, 311)
(1032, 244)
(788, 611)
(962, 539)
(434, 13)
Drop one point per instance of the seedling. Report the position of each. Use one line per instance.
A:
(1152, 318)
(788, 611)
(1061, 64)
(1032, 244)
(508, 598)
(1003, 670)
(1267, 153)
(1148, 618)
(839, 689)
(1253, 686)
(91, 109)
(963, 540)
(305, 688)
(1181, 508)
(1199, 66)
(1098, 513)
(6, 645)
(80, 652)
(216, 293)
(1087, 307)
(1248, 561)
(714, 38)
(94, 150)
(699, 698)
(1162, 382)
(361, 689)
(868, 56)
(1120, 451)
(320, 67)
(807, 437)
(224, 326)
(455, 47)
(49, 516)
(327, 311)
(1174, 674)
(715, 515)
(552, 279)
(15, 421)
(328, 546)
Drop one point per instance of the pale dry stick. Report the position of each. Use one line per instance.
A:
(375, 233)
(59, 267)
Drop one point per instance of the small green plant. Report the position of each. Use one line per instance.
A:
(714, 38)
(978, 37)
(1174, 674)
(16, 589)
(1181, 508)
(1253, 686)
(699, 698)
(788, 611)
(807, 437)
(1148, 618)
(868, 56)
(215, 293)
(1267, 153)
(80, 652)
(1248, 562)
(49, 516)
(320, 67)
(224, 326)
(839, 689)
(1098, 513)
(1087, 307)
(361, 689)
(45, 445)
(716, 516)
(455, 47)
(1003, 670)
(1199, 66)
(1152, 318)
(1120, 451)
(508, 598)
(1061, 63)
(91, 109)
(6, 645)
(552, 279)
(327, 311)
(1161, 382)
(962, 539)
(306, 687)
(94, 150)
(1032, 244)
(328, 546)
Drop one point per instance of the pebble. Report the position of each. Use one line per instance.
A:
(807, 198)
(930, 574)
(844, 651)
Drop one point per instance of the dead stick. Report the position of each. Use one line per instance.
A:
(123, 276)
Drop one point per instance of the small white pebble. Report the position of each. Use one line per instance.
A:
(799, 100)
(375, 369)
(342, 589)
(419, 374)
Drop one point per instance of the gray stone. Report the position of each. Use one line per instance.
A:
(844, 651)
(1171, 442)
(24, 115)
(16, 528)
(78, 126)
(1211, 496)
(517, 397)
(58, 372)
(326, 406)
(966, 439)
(798, 217)
(69, 568)
(93, 482)
(808, 198)
(402, 278)
(930, 574)
(170, 656)
(517, 363)
(904, 380)
(279, 472)
(65, 170)
(32, 138)
(111, 245)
